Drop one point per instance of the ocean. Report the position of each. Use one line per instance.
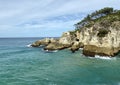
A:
(23, 65)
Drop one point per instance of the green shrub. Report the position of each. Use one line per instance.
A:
(102, 33)
(109, 14)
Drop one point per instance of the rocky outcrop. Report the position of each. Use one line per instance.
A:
(67, 38)
(91, 50)
(44, 42)
(88, 39)
(100, 44)
(65, 41)
(56, 46)
(99, 36)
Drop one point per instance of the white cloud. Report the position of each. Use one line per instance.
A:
(55, 16)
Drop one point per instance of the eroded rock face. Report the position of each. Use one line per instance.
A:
(95, 40)
(106, 44)
(55, 44)
(76, 46)
(91, 50)
(66, 39)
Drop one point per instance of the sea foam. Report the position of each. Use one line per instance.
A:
(104, 57)
(29, 45)
(48, 51)
(80, 48)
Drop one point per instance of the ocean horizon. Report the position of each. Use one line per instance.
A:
(59, 42)
(23, 65)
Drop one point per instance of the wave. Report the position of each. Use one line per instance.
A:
(14, 52)
(80, 48)
(48, 51)
(104, 57)
(29, 45)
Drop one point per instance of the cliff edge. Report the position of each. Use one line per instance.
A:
(97, 34)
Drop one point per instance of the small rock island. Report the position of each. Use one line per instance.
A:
(97, 34)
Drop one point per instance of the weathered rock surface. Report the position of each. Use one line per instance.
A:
(91, 50)
(56, 46)
(97, 37)
(66, 39)
(88, 39)
(105, 46)
(63, 42)
(44, 42)
(76, 46)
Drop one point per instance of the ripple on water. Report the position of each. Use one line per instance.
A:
(20, 65)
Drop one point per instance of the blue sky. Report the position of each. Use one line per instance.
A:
(43, 18)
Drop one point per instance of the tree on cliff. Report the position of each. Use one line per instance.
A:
(95, 16)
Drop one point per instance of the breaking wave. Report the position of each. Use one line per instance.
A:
(29, 45)
(104, 57)
(48, 51)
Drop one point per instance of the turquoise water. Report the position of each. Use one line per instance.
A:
(22, 65)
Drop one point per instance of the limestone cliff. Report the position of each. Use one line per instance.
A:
(102, 44)
(100, 36)
(97, 34)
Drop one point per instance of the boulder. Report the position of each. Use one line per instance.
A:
(91, 50)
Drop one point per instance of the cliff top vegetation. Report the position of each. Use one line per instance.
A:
(104, 16)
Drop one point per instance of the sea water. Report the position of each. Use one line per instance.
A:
(24, 65)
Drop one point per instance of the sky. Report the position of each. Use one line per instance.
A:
(45, 18)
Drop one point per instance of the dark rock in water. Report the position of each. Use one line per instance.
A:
(91, 50)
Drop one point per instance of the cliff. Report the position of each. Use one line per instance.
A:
(97, 34)
(100, 40)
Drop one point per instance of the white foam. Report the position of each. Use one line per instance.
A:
(29, 45)
(103, 57)
(46, 78)
(41, 45)
(80, 48)
(54, 51)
